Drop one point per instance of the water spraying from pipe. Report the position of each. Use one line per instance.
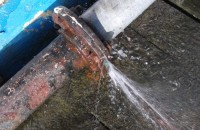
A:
(65, 19)
(123, 83)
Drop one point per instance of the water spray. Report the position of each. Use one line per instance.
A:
(77, 47)
(90, 47)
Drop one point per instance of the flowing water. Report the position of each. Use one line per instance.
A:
(129, 87)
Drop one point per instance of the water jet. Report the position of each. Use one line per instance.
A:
(76, 47)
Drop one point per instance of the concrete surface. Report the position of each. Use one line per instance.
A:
(190, 6)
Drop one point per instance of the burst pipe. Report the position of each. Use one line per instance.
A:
(76, 48)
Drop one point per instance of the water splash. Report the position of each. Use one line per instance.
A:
(129, 88)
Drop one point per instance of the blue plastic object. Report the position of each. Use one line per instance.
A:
(25, 28)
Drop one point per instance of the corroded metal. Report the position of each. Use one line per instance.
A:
(87, 44)
(30, 87)
(49, 70)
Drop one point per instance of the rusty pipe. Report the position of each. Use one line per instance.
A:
(32, 85)
(76, 48)
(85, 40)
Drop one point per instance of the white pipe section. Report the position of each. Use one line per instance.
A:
(110, 17)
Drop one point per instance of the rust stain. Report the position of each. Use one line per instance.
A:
(38, 91)
(10, 115)
(79, 63)
(93, 77)
(37, 83)
(89, 59)
(81, 40)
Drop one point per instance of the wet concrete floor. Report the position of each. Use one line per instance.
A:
(160, 52)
